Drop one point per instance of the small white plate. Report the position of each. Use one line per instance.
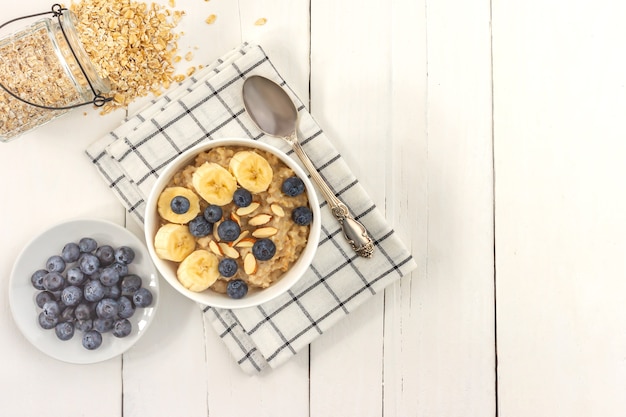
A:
(34, 255)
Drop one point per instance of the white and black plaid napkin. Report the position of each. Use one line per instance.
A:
(209, 106)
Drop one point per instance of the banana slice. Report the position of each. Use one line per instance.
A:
(174, 242)
(214, 183)
(252, 171)
(164, 205)
(198, 271)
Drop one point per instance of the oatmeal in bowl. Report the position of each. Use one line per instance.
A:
(232, 223)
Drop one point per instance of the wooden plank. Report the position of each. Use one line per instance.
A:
(407, 331)
(171, 360)
(559, 98)
(48, 180)
(350, 78)
(179, 353)
(446, 316)
(283, 391)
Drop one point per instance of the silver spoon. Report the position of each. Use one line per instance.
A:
(271, 109)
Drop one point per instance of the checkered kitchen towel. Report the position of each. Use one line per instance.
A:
(210, 106)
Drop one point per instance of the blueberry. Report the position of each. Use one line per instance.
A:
(130, 284)
(70, 252)
(213, 213)
(103, 325)
(43, 297)
(68, 314)
(228, 230)
(84, 325)
(37, 278)
(292, 186)
(237, 289)
(71, 295)
(302, 216)
(200, 227)
(242, 197)
(89, 263)
(121, 268)
(95, 275)
(64, 330)
(47, 322)
(105, 254)
(51, 309)
(82, 312)
(113, 291)
(106, 308)
(59, 300)
(75, 276)
(109, 276)
(227, 267)
(53, 281)
(124, 255)
(125, 308)
(122, 328)
(180, 204)
(142, 297)
(93, 290)
(55, 263)
(57, 295)
(92, 339)
(263, 249)
(87, 245)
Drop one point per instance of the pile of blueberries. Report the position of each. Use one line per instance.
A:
(89, 288)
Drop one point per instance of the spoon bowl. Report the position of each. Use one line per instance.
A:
(271, 108)
(275, 114)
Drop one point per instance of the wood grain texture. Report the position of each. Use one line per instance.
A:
(559, 99)
(407, 308)
(456, 345)
(348, 70)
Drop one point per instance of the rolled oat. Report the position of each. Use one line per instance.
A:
(131, 43)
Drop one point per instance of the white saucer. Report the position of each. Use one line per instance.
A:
(34, 255)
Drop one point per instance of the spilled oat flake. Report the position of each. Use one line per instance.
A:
(260, 22)
(131, 43)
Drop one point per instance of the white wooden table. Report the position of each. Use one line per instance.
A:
(490, 134)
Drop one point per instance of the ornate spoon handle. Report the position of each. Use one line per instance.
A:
(354, 232)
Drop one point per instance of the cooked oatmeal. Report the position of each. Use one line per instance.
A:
(268, 216)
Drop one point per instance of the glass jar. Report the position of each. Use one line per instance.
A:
(44, 73)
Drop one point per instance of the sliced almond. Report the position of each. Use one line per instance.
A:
(216, 236)
(229, 250)
(204, 242)
(241, 236)
(215, 248)
(264, 232)
(249, 264)
(277, 210)
(246, 242)
(260, 219)
(244, 211)
(235, 218)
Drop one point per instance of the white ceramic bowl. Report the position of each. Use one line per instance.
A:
(254, 296)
